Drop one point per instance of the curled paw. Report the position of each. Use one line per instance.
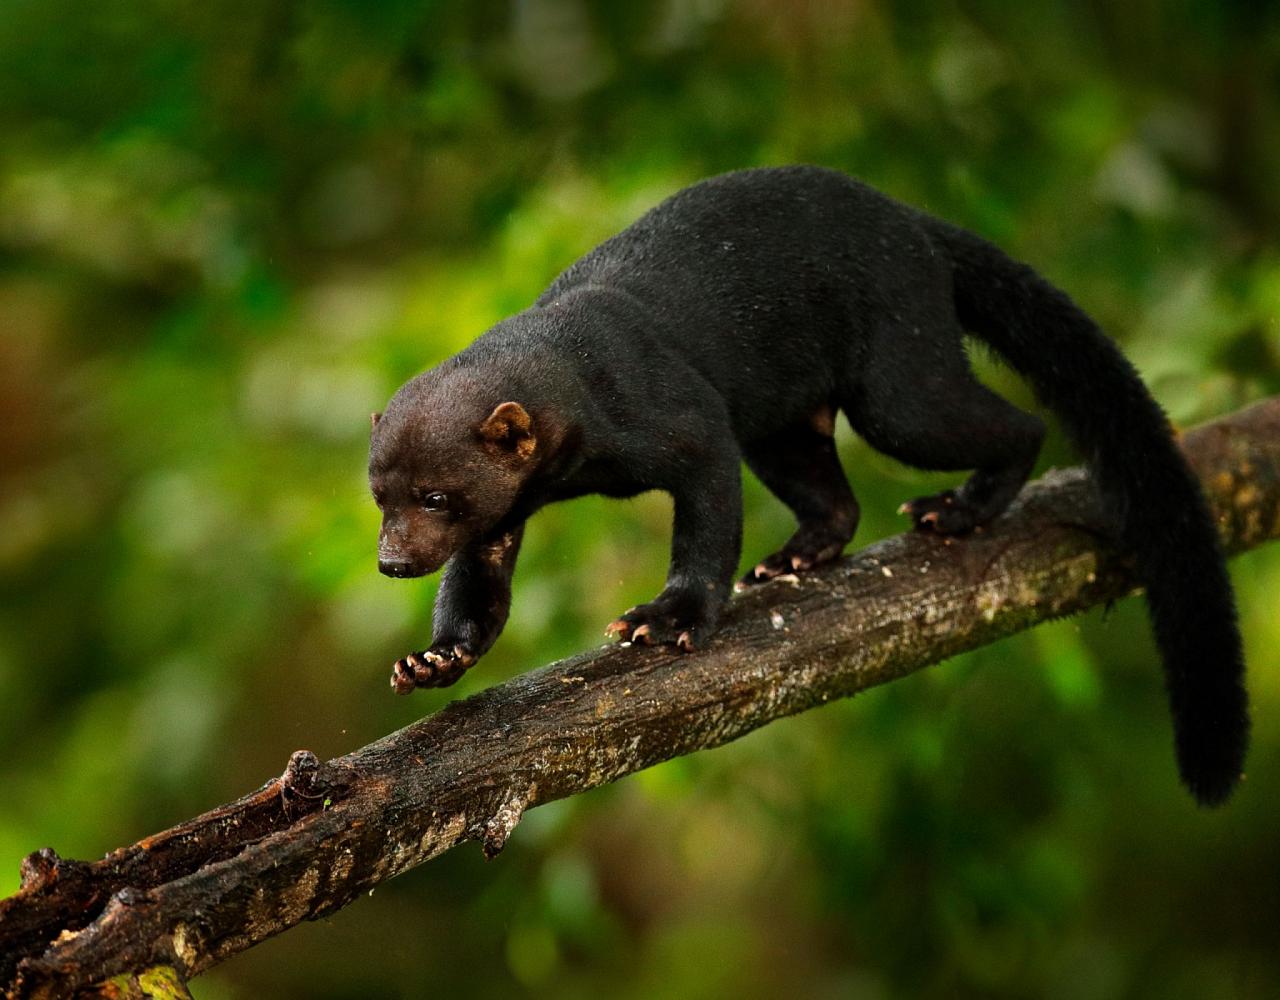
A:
(439, 666)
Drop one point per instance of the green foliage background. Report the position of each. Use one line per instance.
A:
(229, 230)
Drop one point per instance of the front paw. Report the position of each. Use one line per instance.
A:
(683, 618)
(441, 665)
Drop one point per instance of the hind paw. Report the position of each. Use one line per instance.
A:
(943, 513)
(788, 561)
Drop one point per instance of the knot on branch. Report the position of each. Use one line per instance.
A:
(307, 785)
(39, 869)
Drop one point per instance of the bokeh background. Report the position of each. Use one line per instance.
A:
(229, 230)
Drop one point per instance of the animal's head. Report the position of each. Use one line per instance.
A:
(444, 468)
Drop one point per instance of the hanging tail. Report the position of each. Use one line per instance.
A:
(1146, 484)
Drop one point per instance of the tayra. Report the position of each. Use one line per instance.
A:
(730, 323)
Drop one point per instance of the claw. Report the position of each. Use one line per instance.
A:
(422, 667)
(760, 572)
(741, 587)
(619, 628)
(402, 680)
(905, 508)
(685, 642)
(641, 634)
(930, 518)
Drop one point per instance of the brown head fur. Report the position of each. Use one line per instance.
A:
(447, 461)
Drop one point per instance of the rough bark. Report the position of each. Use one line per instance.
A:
(311, 841)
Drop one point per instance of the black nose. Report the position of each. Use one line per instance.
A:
(395, 567)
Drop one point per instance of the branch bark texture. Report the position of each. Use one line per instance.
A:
(316, 838)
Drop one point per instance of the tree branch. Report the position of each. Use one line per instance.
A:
(311, 841)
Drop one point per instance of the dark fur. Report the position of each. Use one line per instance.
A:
(728, 324)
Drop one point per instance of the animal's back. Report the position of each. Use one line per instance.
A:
(770, 278)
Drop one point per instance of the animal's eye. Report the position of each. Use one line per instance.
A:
(435, 502)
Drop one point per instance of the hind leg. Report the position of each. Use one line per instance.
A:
(800, 467)
(944, 418)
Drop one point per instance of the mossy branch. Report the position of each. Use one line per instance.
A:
(323, 834)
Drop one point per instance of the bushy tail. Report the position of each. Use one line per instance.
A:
(1079, 374)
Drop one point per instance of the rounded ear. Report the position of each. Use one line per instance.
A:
(509, 429)
(373, 420)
